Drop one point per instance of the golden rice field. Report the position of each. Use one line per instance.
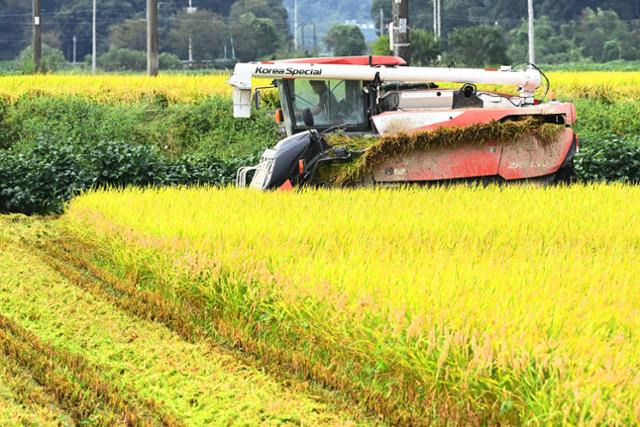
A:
(186, 88)
(418, 306)
(75, 350)
(470, 305)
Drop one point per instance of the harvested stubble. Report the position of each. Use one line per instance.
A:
(193, 383)
(377, 150)
(468, 304)
(25, 402)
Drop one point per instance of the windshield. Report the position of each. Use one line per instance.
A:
(331, 102)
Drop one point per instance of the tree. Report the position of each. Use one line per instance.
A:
(52, 60)
(478, 46)
(259, 28)
(129, 34)
(381, 46)
(207, 30)
(267, 9)
(603, 36)
(552, 46)
(424, 49)
(73, 18)
(345, 40)
(15, 31)
(254, 38)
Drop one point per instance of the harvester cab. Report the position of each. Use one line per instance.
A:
(386, 123)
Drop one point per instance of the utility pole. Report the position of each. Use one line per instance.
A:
(302, 36)
(94, 41)
(381, 22)
(532, 47)
(439, 19)
(295, 24)
(37, 36)
(190, 10)
(152, 37)
(315, 41)
(435, 18)
(401, 27)
(233, 50)
(75, 43)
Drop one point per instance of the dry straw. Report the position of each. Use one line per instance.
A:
(377, 151)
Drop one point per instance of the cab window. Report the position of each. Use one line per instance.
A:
(332, 102)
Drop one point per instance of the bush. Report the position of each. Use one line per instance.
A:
(117, 164)
(42, 177)
(75, 119)
(169, 61)
(8, 67)
(55, 147)
(205, 128)
(52, 60)
(611, 159)
(39, 180)
(119, 59)
(598, 120)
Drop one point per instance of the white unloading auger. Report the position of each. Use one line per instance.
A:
(527, 80)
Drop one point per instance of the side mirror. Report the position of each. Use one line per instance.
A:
(256, 99)
(307, 117)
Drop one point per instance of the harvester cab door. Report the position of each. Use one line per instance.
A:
(330, 102)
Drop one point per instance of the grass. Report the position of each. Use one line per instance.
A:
(141, 361)
(473, 305)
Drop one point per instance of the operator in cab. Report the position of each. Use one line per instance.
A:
(327, 103)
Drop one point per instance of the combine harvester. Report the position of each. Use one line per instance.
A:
(372, 120)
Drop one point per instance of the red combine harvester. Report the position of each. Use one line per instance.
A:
(380, 98)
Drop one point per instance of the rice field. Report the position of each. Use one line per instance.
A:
(460, 304)
(610, 85)
(119, 88)
(413, 306)
(75, 352)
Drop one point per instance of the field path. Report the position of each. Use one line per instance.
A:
(155, 370)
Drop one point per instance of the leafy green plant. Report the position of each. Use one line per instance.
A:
(52, 60)
(41, 179)
(611, 159)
